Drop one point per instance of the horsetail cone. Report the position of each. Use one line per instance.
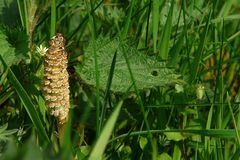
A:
(56, 85)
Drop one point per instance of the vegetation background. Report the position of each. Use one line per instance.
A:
(149, 79)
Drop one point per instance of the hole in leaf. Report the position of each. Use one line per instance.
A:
(154, 73)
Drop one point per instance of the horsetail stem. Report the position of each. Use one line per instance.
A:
(56, 85)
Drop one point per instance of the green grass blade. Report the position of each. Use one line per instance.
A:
(28, 104)
(175, 51)
(53, 18)
(196, 62)
(155, 21)
(20, 12)
(139, 98)
(154, 150)
(42, 108)
(96, 65)
(107, 91)
(208, 126)
(26, 16)
(176, 152)
(236, 154)
(5, 96)
(218, 133)
(166, 34)
(98, 150)
(233, 118)
(226, 8)
(128, 21)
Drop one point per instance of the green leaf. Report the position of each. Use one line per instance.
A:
(147, 71)
(83, 152)
(28, 104)
(176, 153)
(18, 39)
(9, 12)
(7, 52)
(142, 142)
(175, 136)
(164, 156)
(14, 46)
(3, 127)
(42, 107)
(4, 133)
(102, 141)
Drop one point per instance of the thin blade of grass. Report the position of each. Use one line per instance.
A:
(84, 20)
(166, 34)
(176, 152)
(93, 29)
(175, 51)
(218, 133)
(208, 126)
(155, 21)
(123, 36)
(226, 8)
(107, 92)
(219, 87)
(139, 97)
(42, 108)
(128, 21)
(98, 150)
(53, 18)
(20, 12)
(196, 62)
(236, 154)
(5, 96)
(26, 16)
(155, 150)
(233, 118)
(28, 104)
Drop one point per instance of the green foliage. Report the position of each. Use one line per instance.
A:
(27, 102)
(98, 149)
(185, 107)
(7, 52)
(5, 134)
(9, 12)
(14, 45)
(147, 71)
(166, 34)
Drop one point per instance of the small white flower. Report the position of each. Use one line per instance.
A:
(42, 50)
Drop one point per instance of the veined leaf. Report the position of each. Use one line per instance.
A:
(6, 50)
(14, 46)
(147, 71)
